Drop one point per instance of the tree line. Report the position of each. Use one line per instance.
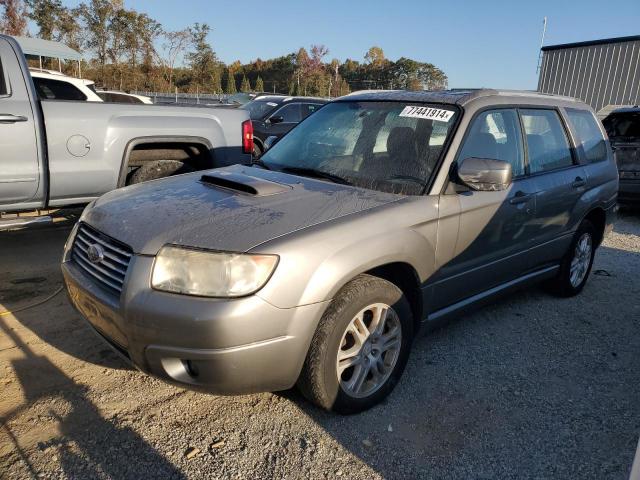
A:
(132, 51)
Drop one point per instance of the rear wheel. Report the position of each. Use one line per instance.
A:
(158, 169)
(577, 263)
(360, 348)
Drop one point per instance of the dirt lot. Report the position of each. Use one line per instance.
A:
(531, 387)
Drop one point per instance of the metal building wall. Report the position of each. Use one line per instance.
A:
(600, 74)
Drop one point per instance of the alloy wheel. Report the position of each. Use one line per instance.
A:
(369, 350)
(581, 260)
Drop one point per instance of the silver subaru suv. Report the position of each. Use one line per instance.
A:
(380, 214)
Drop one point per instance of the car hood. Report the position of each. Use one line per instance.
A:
(255, 206)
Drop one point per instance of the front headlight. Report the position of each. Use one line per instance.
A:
(210, 274)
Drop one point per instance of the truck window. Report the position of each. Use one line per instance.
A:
(56, 90)
(589, 135)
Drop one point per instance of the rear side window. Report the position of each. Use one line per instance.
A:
(624, 125)
(547, 143)
(56, 90)
(308, 109)
(3, 82)
(117, 98)
(589, 135)
(495, 134)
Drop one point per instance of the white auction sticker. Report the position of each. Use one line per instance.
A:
(428, 113)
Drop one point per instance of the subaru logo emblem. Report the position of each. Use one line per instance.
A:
(95, 253)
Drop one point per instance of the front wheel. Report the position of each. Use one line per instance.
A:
(360, 348)
(577, 263)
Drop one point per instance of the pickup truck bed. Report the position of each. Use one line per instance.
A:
(60, 153)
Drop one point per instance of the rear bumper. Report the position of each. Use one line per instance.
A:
(629, 191)
(221, 346)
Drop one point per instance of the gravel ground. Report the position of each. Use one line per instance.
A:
(530, 387)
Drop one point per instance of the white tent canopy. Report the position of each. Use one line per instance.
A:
(47, 48)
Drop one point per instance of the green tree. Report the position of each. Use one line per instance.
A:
(245, 86)
(230, 86)
(97, 16)
(45, 14)
(202, 60)
(69, 30)
(259, 84)
(413, 75)
(216, 80)
(375, 57)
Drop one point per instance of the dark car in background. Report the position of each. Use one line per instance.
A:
(241, 98)
(275, 115)
(623, 127)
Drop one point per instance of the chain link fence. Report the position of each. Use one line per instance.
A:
(185, 98)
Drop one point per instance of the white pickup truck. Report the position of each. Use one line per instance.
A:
(56, 153)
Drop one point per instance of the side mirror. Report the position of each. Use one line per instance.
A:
(270, 142)
(277, 119)
(484, 174)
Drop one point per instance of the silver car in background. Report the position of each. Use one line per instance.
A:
(380, 213)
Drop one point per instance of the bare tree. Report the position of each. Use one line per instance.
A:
(14, 18)
(175, 44)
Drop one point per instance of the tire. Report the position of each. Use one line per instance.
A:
(158, 169)
(366, 295)
(565, 284)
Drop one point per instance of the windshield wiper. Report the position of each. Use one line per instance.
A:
(312, 172)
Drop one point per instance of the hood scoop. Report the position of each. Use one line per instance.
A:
(242, 183)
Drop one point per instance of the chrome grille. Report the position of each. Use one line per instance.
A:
(109, 270)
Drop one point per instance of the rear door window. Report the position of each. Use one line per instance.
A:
(589, 135)
(56, 90)
(289, 113)
(495, 134)
(547, 144)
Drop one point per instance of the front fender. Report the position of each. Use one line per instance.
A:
(318, 261)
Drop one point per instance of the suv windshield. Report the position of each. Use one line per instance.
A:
(623, 125)
(387, 146)
(259, 108)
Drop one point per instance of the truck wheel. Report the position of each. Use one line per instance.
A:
(360, 348)
(158, 169)
(577, 263)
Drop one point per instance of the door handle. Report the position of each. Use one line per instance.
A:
(578, 182)
(520, 197)
(9, 118)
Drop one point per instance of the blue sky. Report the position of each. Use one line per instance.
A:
(486, 43)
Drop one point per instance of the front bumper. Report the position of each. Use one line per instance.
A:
(223, 346)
